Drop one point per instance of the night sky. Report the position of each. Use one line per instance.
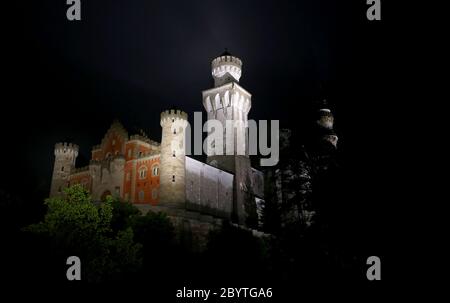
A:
(67, 81)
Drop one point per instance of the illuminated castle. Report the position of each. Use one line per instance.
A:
(144, 172)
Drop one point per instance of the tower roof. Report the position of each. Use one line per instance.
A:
(226, 53)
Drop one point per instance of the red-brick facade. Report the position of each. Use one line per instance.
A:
(140, 174)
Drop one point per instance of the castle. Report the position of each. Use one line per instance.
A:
(161, 175)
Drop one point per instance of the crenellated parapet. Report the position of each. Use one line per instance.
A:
(172, 116)
(66, 148)
(224, 65)
(144, 139)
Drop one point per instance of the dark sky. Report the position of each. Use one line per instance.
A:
(132, 59)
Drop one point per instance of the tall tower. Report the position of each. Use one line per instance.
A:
(229, 103)
(173, 152)
(326, 124)
(65, 157)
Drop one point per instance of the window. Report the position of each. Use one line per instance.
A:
(84, 183)
(174, 131)
(173, 154)
(62, 168)
(143, 172)
(154, 193)
(173, 178)
(155, 170)
(141, 195)
(113, 142)
(140, 154)
(129, 152)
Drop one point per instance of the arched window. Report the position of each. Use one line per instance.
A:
(155, 170)
(141, 195)
(143, 172)
(154, 193)
(62, 168)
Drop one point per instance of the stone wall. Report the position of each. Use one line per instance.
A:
(107, 176)
(191, 228)
(208, 189)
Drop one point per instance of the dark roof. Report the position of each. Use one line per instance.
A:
(226, 53)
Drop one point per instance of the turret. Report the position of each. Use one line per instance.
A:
(65, 157)
(325, 121)
(229, 104)
(226, 68)
(172, 177)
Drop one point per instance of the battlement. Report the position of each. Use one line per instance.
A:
(64, 147)
(144, 139)
(80, 170)
(226, 60)
(226, 64)
(173, 115)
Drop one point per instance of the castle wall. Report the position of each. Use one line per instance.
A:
(107, 176)
(83, 178)
(147, 188)
(208, 189)
(135, 149)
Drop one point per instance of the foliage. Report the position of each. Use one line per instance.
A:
(76, 226)
(123, 214)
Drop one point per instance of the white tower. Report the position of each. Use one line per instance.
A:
(65, 157)
(229, 103)
(173, 171)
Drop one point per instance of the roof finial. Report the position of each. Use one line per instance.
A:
(226, 52)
